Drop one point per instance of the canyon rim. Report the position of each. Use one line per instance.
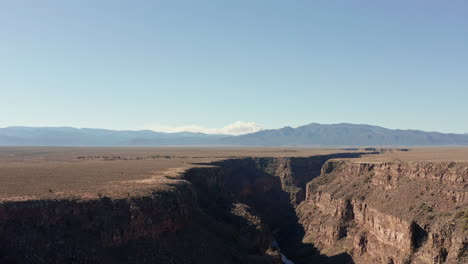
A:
(258, 205)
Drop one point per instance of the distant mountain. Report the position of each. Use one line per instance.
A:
(346, 135)
(69, 136)
(308, 135)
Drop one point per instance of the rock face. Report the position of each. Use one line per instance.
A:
(271, 187)
(389, 212)
(166, 227)
(92, 231)
(225, 211)
(318, 209)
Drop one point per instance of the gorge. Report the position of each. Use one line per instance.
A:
(344, 207)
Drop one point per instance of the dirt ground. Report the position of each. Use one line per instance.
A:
(455, 154)
(83, 172)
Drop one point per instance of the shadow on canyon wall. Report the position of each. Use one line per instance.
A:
(253, 182)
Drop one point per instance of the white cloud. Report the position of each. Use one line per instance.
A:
(236, 128)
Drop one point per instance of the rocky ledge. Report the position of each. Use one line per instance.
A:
(389, 212)
(320, 209)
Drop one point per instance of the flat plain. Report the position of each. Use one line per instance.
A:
(83, 172)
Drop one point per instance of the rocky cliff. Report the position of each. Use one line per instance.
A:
(162, 227)
(389, 212)
(224, 211)
(272, 188)
(320, 209)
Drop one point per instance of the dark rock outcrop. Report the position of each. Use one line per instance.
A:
(318, 210)
(389, 212)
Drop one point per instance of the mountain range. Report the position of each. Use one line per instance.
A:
(308, 135)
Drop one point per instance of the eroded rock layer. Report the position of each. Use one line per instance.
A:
(320, 209)
(389, 212)
(222, 212)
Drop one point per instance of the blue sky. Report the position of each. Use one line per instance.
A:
(202, 65)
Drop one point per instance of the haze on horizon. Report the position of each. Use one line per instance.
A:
(234, 67)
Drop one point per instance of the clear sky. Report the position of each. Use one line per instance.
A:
(201, 64)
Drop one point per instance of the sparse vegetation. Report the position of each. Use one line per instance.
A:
(408, 259)
(463, 216)
(143, 168)
(368, 178)
(117, 157)
(425, 208)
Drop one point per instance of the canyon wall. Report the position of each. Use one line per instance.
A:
(321, 209)
(163, 227)
(272, 188)
(220, 211)
(389, 212)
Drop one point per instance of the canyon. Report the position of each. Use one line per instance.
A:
(236, 206)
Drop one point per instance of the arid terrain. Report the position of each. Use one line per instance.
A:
(55, 172)
(233, 205)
